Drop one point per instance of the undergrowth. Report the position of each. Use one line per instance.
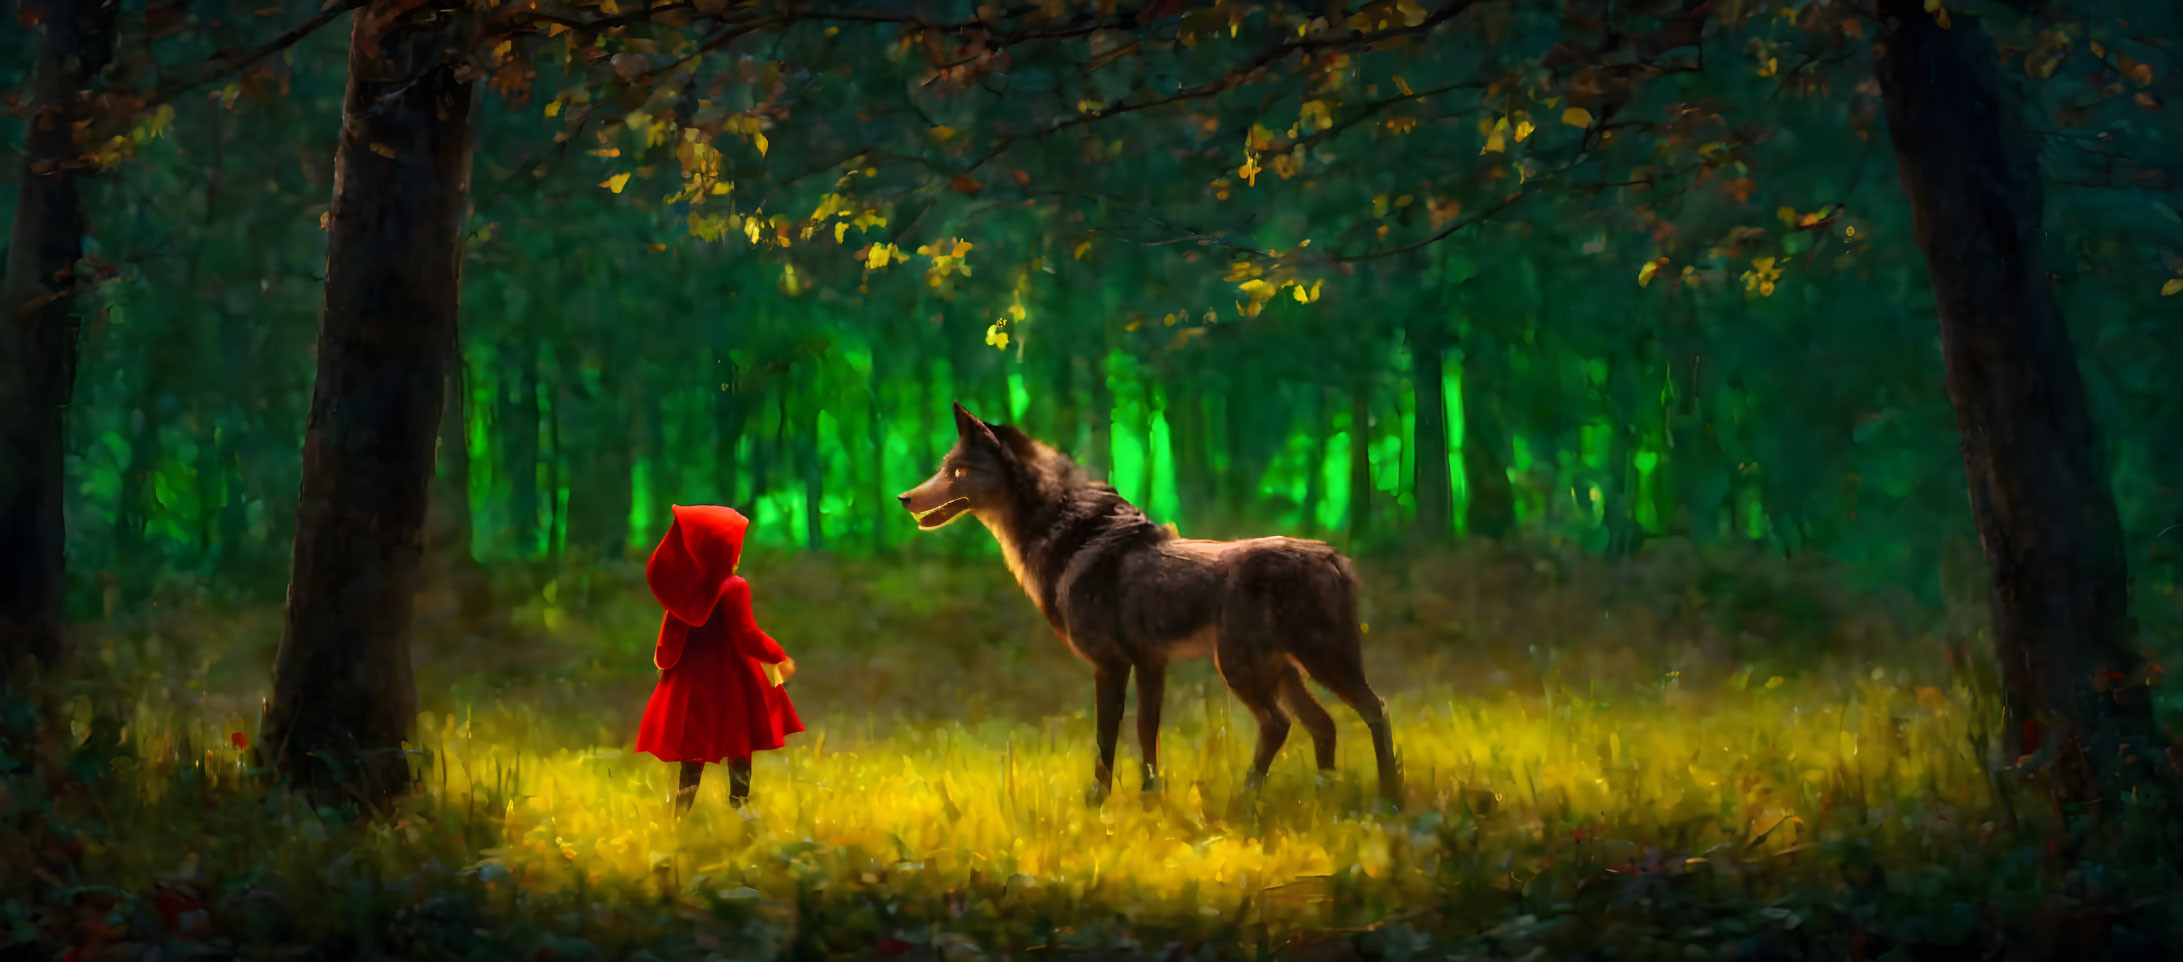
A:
(1590, 774)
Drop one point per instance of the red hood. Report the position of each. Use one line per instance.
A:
(691, 567)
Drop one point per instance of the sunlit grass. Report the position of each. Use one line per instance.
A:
(990, 820)
(1580, 777)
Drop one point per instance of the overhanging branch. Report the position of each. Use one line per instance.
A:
(223, 66)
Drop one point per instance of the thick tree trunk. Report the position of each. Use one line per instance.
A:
(343, 698)
(38, 334)
(1434, 482)
(2038, 488)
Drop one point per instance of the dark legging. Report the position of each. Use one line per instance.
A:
(738, 783)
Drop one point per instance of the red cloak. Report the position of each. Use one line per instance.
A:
(713, 701)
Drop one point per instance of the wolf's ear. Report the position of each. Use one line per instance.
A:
(972, 430)
(966, 423)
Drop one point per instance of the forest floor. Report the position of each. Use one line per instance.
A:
(1765, 768)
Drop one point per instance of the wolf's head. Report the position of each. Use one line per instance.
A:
(988, 465)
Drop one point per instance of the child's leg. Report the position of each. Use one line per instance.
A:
(738, 781)
(687, 792)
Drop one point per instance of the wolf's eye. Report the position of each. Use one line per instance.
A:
(956, 473)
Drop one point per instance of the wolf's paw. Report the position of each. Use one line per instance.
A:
(1254, 781)
(1154, 785)
(1095, 794)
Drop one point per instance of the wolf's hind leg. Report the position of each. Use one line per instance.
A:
(1151, 692)
(1110, 684)
(1316, 721)
(1343, 674)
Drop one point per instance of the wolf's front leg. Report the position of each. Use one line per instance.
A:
(1151, 693)
(1109, 684)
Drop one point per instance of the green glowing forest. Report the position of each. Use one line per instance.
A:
(1751, 426)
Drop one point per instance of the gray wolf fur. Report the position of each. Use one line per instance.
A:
(1130, 596)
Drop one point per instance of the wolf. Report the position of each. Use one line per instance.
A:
(1130, 596)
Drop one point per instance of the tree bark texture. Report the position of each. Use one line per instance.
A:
(2039, 492)
(344, 699)
(38, 343)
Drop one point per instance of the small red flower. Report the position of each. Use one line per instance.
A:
(238, 739)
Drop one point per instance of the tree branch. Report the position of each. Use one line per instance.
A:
(1234, 77)
(222, 66)
(1440, 235)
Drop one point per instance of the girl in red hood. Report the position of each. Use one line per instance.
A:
(719, 696)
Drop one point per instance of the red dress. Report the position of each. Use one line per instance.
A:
(713, 701)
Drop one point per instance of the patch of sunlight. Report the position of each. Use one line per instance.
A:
(554, 801)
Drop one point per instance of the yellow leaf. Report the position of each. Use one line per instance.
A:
(1523, 129)
(1645, 273)
(760, 140)
(943, 133)
(1250, 170)
(2169, 289)
(841, 230)
(1577, 117)
(1787, 215)
(615, 183)
(1404, 86)
(1081, 247)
